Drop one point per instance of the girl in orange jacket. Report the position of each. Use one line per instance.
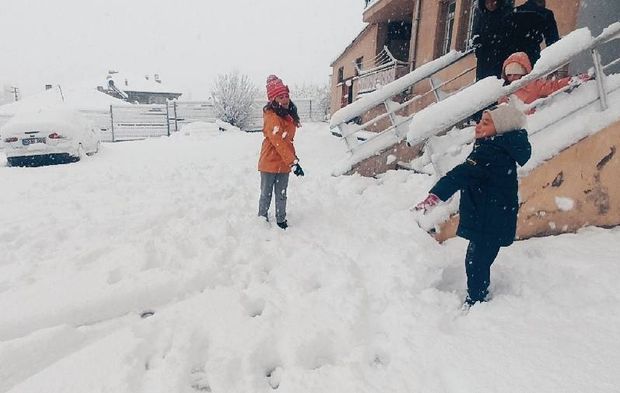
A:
(277, 155)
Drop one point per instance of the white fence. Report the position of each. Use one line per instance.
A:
(187, 112)
(119, 123)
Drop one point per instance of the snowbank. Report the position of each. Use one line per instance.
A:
(201, 127)
(353, 297)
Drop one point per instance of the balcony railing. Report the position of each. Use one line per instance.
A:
(382, 69)
(381, 77)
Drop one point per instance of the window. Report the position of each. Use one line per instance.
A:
(399, 39)
(340, 74)
(470, 23)
(358, 64)
(449, 26)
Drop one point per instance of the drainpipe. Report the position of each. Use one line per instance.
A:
(414, 30)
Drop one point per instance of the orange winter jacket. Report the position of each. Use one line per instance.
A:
(277, 152)
(536, 89)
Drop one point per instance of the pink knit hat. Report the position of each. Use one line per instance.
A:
(275, 87)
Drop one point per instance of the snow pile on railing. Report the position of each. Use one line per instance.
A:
(563, 50)
(392, 136)
(377, 97)
(442, 115)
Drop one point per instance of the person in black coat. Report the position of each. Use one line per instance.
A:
(491, 37)
(532, 23)
(489, 193)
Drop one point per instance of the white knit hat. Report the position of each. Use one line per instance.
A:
(507, 118)
(515, 69)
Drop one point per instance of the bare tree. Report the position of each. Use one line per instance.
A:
(233, 96)
(319, 94)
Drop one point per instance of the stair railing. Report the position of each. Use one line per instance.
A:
(341, 120)
(400, 126)
(603, 89)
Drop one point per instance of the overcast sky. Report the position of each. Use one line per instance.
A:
(188, 42)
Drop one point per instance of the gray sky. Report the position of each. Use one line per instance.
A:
(188, 42)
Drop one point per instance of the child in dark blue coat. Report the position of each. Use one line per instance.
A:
(489, 193)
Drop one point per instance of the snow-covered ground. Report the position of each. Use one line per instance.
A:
(352, 298)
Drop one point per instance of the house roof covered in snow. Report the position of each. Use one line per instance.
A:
(138, 83)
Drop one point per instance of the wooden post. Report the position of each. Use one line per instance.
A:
(112, 123)
(176, 121)
(167, 119)
(600, 79)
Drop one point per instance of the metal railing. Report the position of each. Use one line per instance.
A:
(341, 120)
(383, 59)
(436, 152)
(432, 121)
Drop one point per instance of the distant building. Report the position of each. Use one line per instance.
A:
(147, 89)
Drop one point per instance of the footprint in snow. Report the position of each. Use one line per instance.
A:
(199, 381)
(254, 307)
(274, 377)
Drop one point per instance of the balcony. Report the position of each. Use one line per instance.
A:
(379, 71)
(372, 81)
(378, 11)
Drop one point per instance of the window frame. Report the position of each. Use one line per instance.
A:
(449, 18)
(470, 24)
(358, 64)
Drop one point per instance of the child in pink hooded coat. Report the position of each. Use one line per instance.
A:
(518, 65)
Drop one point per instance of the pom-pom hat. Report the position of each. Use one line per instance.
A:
(275, 87)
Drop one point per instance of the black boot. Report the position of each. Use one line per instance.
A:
(283, 224)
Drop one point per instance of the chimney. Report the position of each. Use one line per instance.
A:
(48, 87)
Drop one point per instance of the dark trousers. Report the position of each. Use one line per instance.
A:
(478, 261)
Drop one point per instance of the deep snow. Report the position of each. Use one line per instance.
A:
(353, 297)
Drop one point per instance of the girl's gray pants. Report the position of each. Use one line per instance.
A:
(270, 182)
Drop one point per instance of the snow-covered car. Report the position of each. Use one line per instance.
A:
(48, 136)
